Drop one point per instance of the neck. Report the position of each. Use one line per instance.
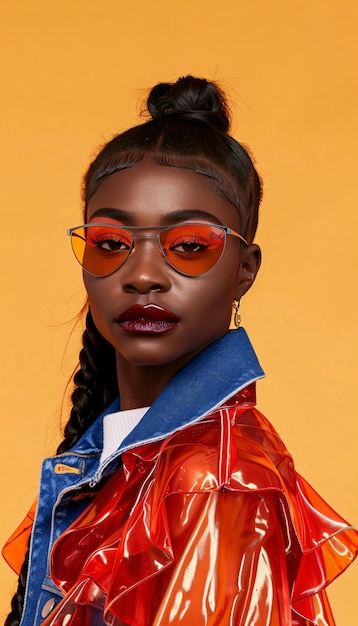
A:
(141, 385)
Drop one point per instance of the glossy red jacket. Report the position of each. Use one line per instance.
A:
(211, 526)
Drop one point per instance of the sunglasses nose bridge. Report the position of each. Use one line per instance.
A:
(144, 236)
(136, 236)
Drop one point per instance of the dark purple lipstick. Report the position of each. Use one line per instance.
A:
(149, 319)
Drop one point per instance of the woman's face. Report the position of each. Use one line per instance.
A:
(187, 312)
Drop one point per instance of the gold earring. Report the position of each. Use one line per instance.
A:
(237, 316)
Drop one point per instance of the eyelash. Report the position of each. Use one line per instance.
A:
(192, 241)
(108, 238)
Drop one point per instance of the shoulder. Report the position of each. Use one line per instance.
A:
(234, 447)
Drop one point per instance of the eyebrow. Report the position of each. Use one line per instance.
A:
(174, 217)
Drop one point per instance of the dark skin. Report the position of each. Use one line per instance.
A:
(153, 195)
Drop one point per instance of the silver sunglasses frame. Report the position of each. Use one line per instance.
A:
(132, 230)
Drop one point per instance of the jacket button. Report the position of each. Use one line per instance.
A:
(47, 607)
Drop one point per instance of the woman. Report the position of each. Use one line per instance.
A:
(172, 500)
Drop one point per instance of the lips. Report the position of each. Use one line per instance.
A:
(150, 319)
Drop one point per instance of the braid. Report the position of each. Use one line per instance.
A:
(17, 602)
(95, 384)
(95, 388)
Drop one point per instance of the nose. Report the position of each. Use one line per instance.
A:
(146, 270)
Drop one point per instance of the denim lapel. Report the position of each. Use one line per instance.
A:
(217, 373)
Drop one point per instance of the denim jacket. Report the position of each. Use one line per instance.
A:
(69, 481)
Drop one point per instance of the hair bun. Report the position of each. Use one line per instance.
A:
(190, 98)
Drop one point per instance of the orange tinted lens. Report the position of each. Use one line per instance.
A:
(101, 250)
(193, 248)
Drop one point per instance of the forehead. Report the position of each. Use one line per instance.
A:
(150, 192)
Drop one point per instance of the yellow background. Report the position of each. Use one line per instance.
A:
(72, 72)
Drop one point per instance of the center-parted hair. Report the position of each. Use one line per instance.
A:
(187, 126)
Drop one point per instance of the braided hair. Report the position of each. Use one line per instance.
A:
(95, 384)
(95, 388)
(187, 125)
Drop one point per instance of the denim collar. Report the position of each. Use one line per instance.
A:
(217, 373)
(220, 371)
(214, 375)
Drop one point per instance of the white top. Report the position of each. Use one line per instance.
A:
(117, 426)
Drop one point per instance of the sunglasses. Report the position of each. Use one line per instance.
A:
(190, 249)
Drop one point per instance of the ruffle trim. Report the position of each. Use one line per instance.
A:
(126, 543)
(222, 487)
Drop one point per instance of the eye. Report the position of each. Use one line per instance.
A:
(189, 244)
(109, 239)
(195, 240)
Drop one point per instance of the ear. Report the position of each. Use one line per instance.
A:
(250, 262)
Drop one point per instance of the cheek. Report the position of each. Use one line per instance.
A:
(217, 296)
(100, 307)
(98, 293)
(89, 285)
(227, 276)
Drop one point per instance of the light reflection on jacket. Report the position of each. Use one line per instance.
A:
(205, 523)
